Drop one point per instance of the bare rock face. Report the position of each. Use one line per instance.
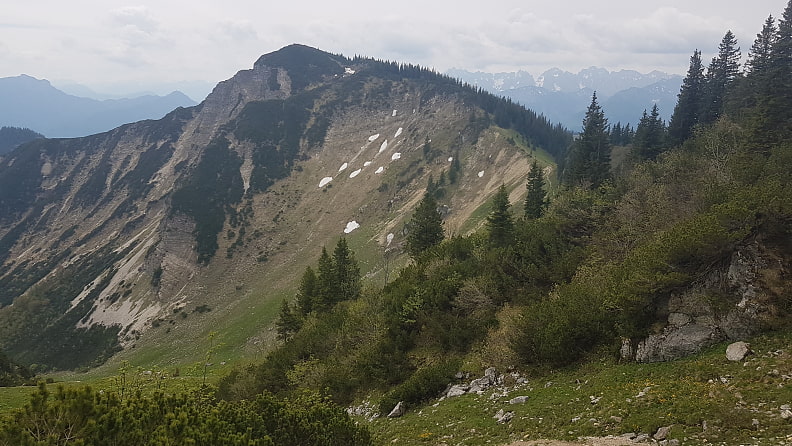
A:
(730, 303)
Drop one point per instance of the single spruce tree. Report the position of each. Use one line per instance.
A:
(327, 290)
(721, 74)
(759, 56)
(500, 224)
(536, 199)
(347, 272)
(425, 227)
(306, 293)
(689, 102)
(588, 162)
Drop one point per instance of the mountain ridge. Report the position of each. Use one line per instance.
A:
(194, 210)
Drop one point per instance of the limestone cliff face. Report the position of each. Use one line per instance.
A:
(214, 209)
(733, 301)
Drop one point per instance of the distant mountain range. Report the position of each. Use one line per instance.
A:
(33, 103)
(563, 96)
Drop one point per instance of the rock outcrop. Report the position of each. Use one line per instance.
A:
(731, 302)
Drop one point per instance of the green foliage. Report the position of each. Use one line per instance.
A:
(326, 286)
(346, 271)
(722, 72)
(536, 199)
(12, 374)
(425, 227)
(588, 160)
(209, 193)
(41, 327)
(689, 103)
(650, 135)
(84, 416)
(423, 385)
(500, 223)
(306, 293)
(288, 321)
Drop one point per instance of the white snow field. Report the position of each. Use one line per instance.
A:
(324, 181)
(351, 226)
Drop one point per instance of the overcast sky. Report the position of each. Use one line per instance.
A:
(140, 45)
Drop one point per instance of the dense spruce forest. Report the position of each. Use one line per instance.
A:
(559, 279)
(13, 137)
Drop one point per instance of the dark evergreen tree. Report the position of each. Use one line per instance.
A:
(347, 272)
(327, 292)
(616, 134)
(749, 97)
(759, 56)
(588, 162)
(288, 321)
(721, 74)
(536, 200)
(649, 135)
(500, 224)
(425, 227)
(306, 293)
(777, 121)
(689, 102)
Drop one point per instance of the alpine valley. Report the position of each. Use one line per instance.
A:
(156, 233)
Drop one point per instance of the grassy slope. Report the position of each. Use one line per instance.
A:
(706, 389)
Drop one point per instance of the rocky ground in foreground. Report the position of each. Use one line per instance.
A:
(706, 399)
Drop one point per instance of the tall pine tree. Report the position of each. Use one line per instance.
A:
(426, 227)
(306, 293)
(536, 200)
(689, 102)
(347, 272)
(588, 162)
(327, 290)
(721, 74)
(759, 56)
(500, 223)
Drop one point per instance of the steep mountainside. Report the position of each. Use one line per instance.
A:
(34, 103)
(213, 210)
